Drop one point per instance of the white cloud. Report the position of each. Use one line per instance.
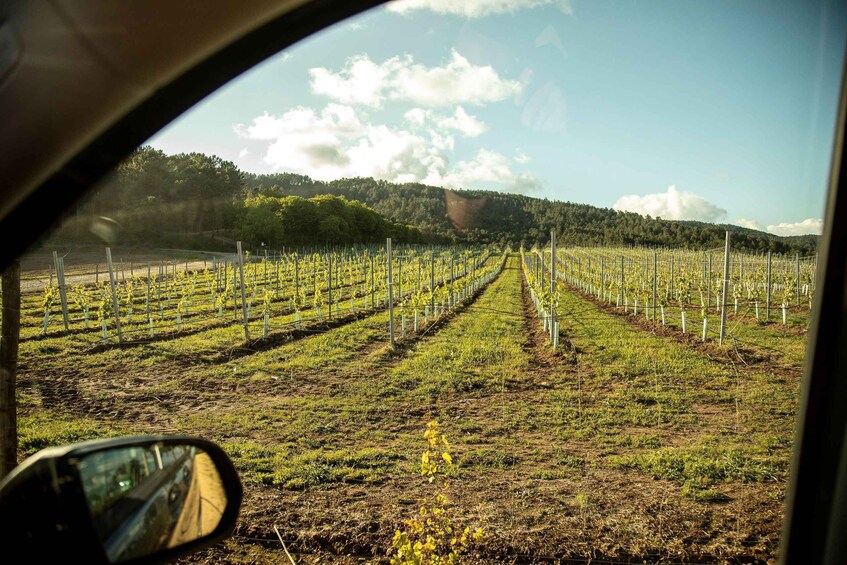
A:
(461, 121)
(445, 142)
(416, 116)
(476, 8)
(302, 139)
(671, 205)
(336, 143)
(395, 155)
(335, 119)
(521, 157)
(489, 167)
(459, 81)
(243, 153)
(361, 82)
(676, 205)
(807, 226)
(750, 224)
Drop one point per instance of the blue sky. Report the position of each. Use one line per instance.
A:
(718, 111)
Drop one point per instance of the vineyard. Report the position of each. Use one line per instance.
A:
(595, 409)
(681, 289)
(262, 295)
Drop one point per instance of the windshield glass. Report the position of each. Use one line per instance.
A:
(507, 281)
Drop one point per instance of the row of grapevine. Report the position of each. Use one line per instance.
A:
(661, 284)
(444, 297)
(689, 280)
(544, 297)
(314, 285)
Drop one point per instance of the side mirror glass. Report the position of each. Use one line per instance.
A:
(148, 499)
(144, 499)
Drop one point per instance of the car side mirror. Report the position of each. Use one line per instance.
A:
(131, 500)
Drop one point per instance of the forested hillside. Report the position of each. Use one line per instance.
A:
(186, 197)
(483, 216)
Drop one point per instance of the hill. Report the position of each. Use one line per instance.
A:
(181, 199)
(486, 216)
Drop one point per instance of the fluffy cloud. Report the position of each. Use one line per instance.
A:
(521, 157)
(304, 139)
(416, 116)
(394, 155)
(750, 224)
(463, 123)
(476, 8)
(460, 121)
(807, 226)
(676, 205)
(489, 167)
(671, 205)
(361, 82)
(336, 143)
(459, 81)
(334, 119)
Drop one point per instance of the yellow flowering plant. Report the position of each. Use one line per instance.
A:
(434, 536)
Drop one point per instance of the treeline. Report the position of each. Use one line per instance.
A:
(292, 220)
(484, 216)
(190, 199)
(199, 201)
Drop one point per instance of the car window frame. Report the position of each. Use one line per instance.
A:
(816, 501)
(44, 207)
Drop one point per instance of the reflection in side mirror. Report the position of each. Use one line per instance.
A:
(146, 499)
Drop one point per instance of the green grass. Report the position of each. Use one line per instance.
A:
(46, 428)
(280, 466)
(787, 344)
(656, 382)
(480, 352)
(705, 464)
(627, 437)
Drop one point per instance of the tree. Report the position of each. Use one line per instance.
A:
(10, 330)
(153, 195)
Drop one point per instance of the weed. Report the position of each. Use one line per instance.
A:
(434, 536)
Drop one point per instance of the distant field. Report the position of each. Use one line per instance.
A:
(85, 265)
(632, 442)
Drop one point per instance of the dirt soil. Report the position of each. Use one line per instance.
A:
(543, 495)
